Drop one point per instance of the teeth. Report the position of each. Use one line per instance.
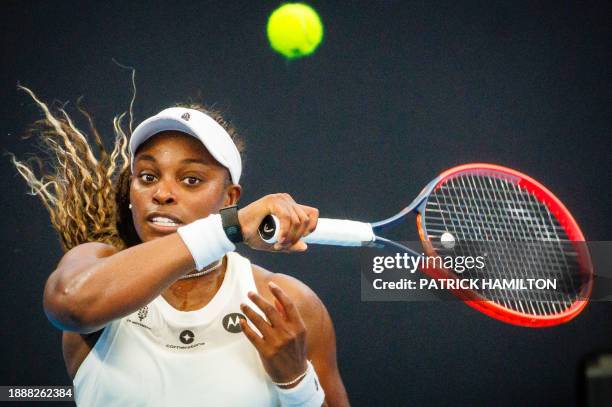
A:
(160, 220)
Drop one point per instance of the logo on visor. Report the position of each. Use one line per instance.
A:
(186, 116)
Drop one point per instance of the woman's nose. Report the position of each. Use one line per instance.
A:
(163, 195)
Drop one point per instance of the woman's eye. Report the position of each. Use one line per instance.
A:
(147, 178)
(191, 180)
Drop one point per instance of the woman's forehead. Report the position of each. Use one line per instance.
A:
(174, 145)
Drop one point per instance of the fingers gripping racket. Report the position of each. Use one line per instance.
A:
(524, 229)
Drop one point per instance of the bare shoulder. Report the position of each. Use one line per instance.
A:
(305, 299)
(320, 335)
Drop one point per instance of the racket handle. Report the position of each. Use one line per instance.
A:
(334, 232)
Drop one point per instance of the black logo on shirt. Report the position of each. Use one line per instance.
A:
(231, 322)
(186, 337)
(142, 313)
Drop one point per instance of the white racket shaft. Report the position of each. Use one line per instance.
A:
(334, 232)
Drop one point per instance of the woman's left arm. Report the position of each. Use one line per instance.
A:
(321, 345)
(298, 328)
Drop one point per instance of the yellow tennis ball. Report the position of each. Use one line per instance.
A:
(294, 30)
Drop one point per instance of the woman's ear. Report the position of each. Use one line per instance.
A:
(232, 194)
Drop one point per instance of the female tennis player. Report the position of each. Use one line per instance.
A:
(156, 307)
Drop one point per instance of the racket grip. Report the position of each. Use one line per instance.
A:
(334, 232)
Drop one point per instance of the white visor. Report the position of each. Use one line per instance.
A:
(196, 124)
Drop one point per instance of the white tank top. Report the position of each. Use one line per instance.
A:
(160, 356)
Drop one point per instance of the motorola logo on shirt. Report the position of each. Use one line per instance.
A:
(231, 322)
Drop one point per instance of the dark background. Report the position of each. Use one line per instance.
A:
(397, 92)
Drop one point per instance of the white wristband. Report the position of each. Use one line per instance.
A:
(308, 392)
(206, 240)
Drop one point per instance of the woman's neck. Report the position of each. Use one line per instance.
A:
(191, 294)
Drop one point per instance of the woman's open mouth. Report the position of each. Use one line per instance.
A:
(164, 224)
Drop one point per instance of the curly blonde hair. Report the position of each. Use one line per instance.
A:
(87, 195)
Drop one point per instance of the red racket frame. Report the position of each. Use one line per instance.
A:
(566, 220)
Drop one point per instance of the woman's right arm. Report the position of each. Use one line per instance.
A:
(95, 283)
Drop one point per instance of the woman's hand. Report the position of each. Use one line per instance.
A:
(282, 346)
(296, 221)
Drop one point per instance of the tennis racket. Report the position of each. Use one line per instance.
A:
(471, 209)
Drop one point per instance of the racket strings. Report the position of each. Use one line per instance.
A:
(518, 235)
